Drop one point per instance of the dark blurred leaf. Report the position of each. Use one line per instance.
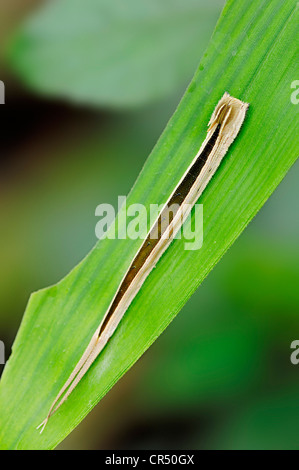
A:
(268, 423)
(113, 52)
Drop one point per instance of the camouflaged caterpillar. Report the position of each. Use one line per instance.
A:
(223, 128)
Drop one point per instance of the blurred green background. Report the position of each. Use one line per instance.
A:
(220, 376)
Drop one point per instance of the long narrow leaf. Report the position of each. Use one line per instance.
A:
(250, 55)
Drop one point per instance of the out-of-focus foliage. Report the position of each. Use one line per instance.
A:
(113, 52)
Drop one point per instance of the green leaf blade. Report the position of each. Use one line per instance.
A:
(59, 321)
